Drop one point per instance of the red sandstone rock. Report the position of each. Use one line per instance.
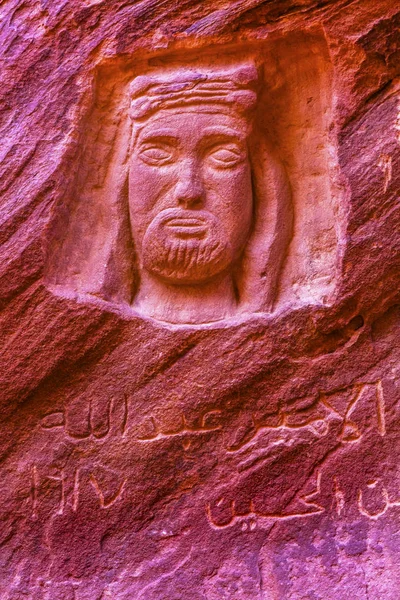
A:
(200, 300)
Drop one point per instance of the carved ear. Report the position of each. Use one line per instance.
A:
(272, 230)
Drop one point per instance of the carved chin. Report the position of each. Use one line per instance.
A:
(184, 260)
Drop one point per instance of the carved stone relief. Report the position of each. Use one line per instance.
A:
(200, 301)
(219, 211)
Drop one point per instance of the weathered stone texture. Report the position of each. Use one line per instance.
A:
(252, 457)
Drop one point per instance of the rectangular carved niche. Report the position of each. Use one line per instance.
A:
(206, 185)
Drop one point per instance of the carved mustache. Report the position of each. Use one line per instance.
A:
(178, 217)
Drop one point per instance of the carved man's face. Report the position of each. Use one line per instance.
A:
(190, 194)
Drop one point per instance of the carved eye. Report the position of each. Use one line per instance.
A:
(156, 155)
(226, 156)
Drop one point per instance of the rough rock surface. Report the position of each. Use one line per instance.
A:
(254, 458)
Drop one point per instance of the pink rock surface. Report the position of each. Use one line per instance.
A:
(200, 300)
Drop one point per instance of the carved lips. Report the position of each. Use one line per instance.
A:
(186, 227)
(186, 224)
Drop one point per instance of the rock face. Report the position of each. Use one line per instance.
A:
(200, 300)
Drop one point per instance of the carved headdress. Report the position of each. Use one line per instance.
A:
(230, 90)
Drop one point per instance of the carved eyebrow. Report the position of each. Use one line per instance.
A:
(223, 138)
(158, 137)
(222, 132)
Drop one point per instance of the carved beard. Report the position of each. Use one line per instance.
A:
(179, 254)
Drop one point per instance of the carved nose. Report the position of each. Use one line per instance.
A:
(189, 190)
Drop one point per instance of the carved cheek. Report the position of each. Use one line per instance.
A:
(150, 184)
(231, 188)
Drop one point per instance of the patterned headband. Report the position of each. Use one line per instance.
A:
(232, 88)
